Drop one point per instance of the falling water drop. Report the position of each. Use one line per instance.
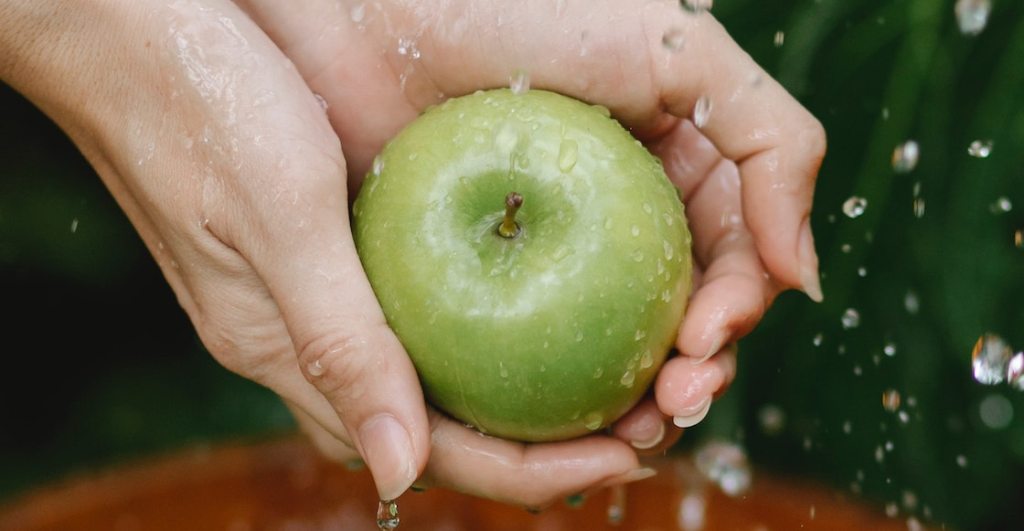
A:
(911, 303)
(701, 111)
(961, 461)
(692, 512)
(904, 157)
(726, 465)
(889, 349)
(1001, 205)
(990, 359)
(972, 15)
(568, 152)
(780, 38)
(673, 39)
(772, 419)
(850, 318)
(1018, 238)
(387, 515)
(891, 400)
(617, 505)
(918, 207)
(996, 411)
(74, 225)
(817, 339)
(519, 82)
(1015, 371)
(854, 206)
(980, 149)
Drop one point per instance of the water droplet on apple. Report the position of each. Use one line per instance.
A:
(668, 219)
(673, 39)
(646, 359)
(593, 421)
(598, 372)
(316, 369)
(378, 165)
(568, 151)
(666, 296)
(647, 208)
(579, 336)
(634, 230)
(972, 15)
(603, 110)
(667, 248)
(855, 206)
(638, 255)
(387, 515)
(608, 223)
(701, 111)
(502, 370)
(628, 378)
(904, 157)
(519, 82)
(561, 252)
(639, 335)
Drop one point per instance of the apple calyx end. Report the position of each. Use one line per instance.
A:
(509, 228)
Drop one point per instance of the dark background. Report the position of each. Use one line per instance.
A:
(98, 364)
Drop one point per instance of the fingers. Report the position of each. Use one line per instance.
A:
(752, 120)
(684, 390)
(532, 475)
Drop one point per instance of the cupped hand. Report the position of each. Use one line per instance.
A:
(745, 160)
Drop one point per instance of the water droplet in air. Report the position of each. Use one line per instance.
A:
(889, 349)
(780, 38)
(918, 207)
(818, 338)
(990, 359)
(726, 465)
(980, 149)
(911, 303)
(1018, 238)
(628, 378)
(701, 111)
(568, 151)
(387, 515)
(891, 400)
(961, 461)
(772, 419)
(74, 225)
(316, 369)
(862, 272)
(593, 421)
(904, 157)
(692, 512)
(519, 82)
(617, 505)
(673, 39)
(1001, 205)
(854, 206)
(972, 15)
(996, 411)
(850, 319)
(697, 6)
(1015, 371)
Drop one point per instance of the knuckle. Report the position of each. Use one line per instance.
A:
(338, 364)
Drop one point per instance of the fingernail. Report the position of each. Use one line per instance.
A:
(716, 345)
(691, 416)
(653, 441)
(387, 449)
(808, 260)
(637, 474)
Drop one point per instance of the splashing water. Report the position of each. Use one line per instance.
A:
(617, 505)
(972, 15)
(850, 318)
(387, 515)
(990, 359)
(697, 6)
(725, 464)
(904, 157)
(673, 39)
(1001, 205)
(980, 149)
(519, 82)
(891, 400)
(701, 112)
(855, 206)
(1015, 371)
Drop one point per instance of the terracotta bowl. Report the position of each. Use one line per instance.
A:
(285, 485)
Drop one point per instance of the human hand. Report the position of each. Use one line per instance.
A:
(224, 161)
(746, 174)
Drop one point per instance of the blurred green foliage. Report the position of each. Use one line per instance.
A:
(101, 364)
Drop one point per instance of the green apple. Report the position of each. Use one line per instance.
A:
(531, 256)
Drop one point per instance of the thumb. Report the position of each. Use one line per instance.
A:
(344, 345)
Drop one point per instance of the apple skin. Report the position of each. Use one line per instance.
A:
(559, 331)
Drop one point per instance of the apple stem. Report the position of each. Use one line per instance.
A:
(509, 228)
